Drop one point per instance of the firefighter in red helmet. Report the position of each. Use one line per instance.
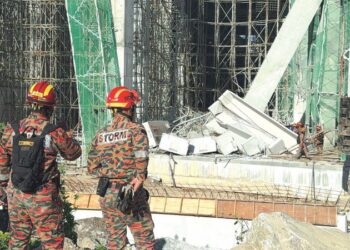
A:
(28, 152)
(119, 157)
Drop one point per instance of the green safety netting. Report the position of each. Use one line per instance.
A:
(318, 74)
(95, 60)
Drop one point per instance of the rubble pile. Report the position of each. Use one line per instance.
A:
(279, 231)
(231, 126)
(92, 235)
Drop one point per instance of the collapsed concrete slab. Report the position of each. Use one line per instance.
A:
(202, 145)
(154, 130)
(257, 118)
(214, 127)
(277, 147)
(281, 52)
(174, 144)
(226, 143)
(251, 146)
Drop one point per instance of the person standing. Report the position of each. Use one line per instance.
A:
(119, 157)
(319, 139)
(302, 151)
(28, 153)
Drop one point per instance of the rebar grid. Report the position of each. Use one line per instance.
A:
(187, 53)
(34, 46)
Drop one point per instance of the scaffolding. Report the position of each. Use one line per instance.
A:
(95, 61)
(187, 53)
(34, 46)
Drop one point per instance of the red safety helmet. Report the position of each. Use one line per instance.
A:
(122, 97)
(42, 93)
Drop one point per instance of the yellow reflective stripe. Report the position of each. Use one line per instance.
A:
(119, 92)
(36, 93)
(48, 89)
(31, 88)
(117, 105)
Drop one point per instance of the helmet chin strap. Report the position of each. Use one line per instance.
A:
(122, 112)
(44, 110)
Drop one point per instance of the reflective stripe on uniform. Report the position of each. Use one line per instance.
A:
(141, 154)
(4, 177)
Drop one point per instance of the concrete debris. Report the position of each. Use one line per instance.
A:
(251, 146)
(216, 108)
(214, 127)
(226, 143)
(175, 244)
(257, 119)
(277, 147)
(233, 125)
(202, 145)
(154, 130)
(91, 232)
(92, 235)
(69, 245)
(279, 231)
(174, 144)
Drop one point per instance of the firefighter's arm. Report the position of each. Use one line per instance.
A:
(5, 154)
(66, 145)
(94, 158)
(140, 143)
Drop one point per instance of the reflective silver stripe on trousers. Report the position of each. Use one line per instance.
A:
(141, 154)
(4, 177)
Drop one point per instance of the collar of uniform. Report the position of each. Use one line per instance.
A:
(120, 118)
(37, 116)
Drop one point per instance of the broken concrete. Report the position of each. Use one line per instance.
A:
(154, 130)
(202, 145)
(251, 146)
(277, 147)
(226, 143)
(214, 127)
(174, 144)
(257, 118)
(279, 231)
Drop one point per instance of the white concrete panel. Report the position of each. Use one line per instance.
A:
(281, 52)
(174, 144)
(281, 172)
(202, 145)
(154, 130)
(226, 143)
(251, 146)
(260, 120)
(277, 147)
(214, 127)
(216, 108)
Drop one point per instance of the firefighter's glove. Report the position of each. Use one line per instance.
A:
(138, 213)
(136, 183)
(125, 198)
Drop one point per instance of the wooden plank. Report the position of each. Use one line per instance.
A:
(157, 204)
(190, 206)
(207, 207)
(82, 201)
(173, 205)
(94, 202)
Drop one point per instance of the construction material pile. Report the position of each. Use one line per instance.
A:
(231, 126)
(279, 231)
